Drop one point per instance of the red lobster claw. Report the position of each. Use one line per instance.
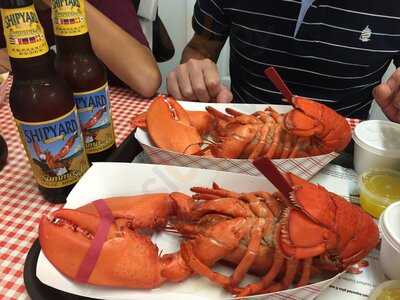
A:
(128, 258)
(170, 128)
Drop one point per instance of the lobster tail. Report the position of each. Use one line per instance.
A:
(329, 130)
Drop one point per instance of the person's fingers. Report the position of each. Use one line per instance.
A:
(394, 84)
(211, 78)
(396, 100)
(184, 84)
(172, 85)
(394, 80)
(225, 95)
(384, 96)
(197, 80)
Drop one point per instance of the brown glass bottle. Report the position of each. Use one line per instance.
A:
(86, 75)
(3, 152)
(42, 104)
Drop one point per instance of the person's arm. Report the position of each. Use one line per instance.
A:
(197, 77)
(132, 62)
(202, 46)
(128, 59)
(4, 61)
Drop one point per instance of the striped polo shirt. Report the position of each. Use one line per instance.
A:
(338, 55)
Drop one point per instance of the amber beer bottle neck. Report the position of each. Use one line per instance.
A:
(39, 67)
(78, 44)
(71, 37)
(31, 60)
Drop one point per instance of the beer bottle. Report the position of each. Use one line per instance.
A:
(86, 75)
(42, 104)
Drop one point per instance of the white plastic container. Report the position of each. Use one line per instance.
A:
(377, 145)
(389, 225)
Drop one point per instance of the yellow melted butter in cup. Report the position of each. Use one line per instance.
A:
(379, 189)
(389, 294)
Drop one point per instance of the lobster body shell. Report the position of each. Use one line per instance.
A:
(277, 237)
(309, 129)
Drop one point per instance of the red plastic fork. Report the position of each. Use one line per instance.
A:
(278, 82)
(271, 172)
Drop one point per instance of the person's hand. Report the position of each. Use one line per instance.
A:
(197, 80)
(387, 95)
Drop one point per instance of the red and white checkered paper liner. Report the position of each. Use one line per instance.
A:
(305, 167)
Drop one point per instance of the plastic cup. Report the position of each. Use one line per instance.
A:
(385, 290)
(389, 225)
(379, 188)
(376, 145)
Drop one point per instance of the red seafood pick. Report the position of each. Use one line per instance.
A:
(268, 169)
(278, 82)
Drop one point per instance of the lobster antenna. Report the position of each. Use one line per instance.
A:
(278, 82)
(270, 171)
(190, 145)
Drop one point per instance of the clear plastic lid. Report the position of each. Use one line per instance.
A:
(379, 137)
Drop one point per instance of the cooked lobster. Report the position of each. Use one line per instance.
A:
(282, 236)
(309, 129)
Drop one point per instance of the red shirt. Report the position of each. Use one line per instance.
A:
(121, 12)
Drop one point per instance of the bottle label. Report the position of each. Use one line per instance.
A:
(23, 32)
(95, 118)
(55, 150)
(69, 17)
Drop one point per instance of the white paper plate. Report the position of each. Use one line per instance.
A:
(116, 179)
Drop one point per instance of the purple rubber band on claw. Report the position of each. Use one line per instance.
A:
(90, 260)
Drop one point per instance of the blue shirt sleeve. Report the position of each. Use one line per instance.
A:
(209, 19)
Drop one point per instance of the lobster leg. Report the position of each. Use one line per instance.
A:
(287, 145)
(233, 145)
(233, 112)
(203, 193)
(265, 138)
(263, 204)
(266, 280)
(227, 206)
(300, 144)
(251, 253)
(290, 273)
(276, 143)
(215, 243)
(200, 268)
(306, 272)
